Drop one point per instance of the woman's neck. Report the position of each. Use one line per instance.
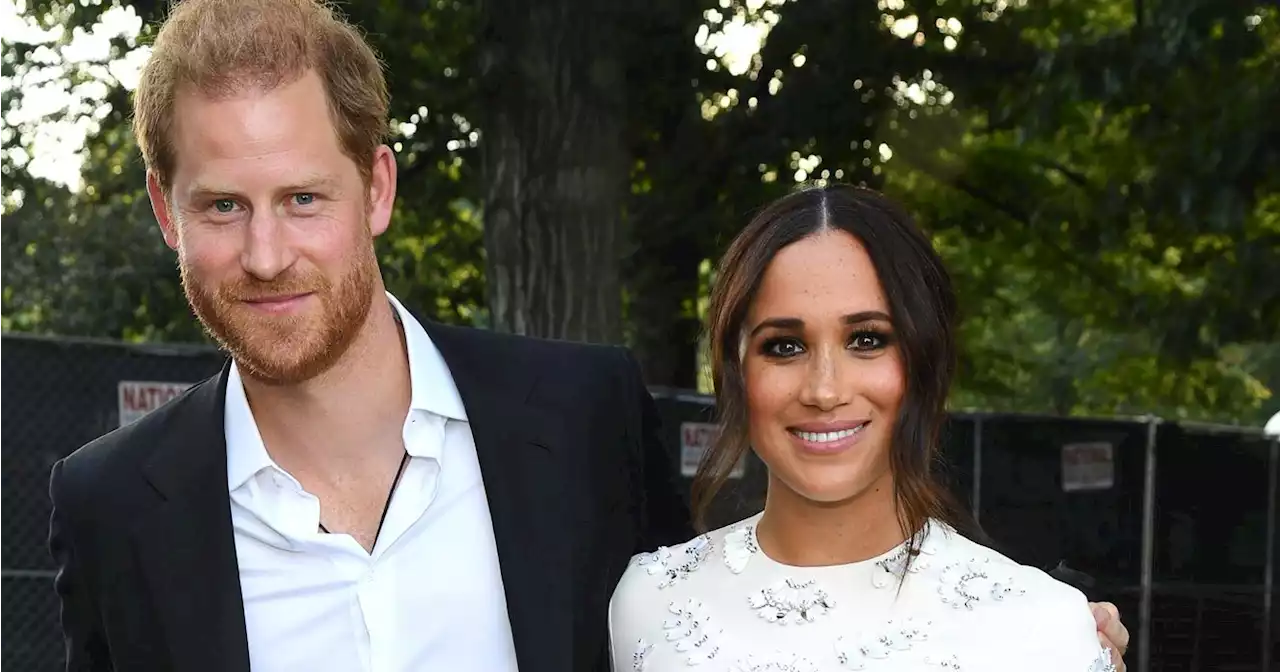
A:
(797, 531)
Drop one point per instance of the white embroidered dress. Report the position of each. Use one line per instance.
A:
(718, 603)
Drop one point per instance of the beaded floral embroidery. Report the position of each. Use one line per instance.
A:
(967, 584)
(739, 545)
(690, 629)
(674, 566)
(790, 601)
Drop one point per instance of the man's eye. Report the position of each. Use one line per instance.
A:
(224, 205)
(304, 199)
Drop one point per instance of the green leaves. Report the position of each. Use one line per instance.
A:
(1103, 185)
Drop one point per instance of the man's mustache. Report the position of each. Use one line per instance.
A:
(257, 290)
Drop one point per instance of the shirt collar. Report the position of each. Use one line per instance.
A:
(246, 452)
(432, 390)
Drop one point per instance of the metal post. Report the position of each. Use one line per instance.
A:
(1268, 576)
(977, 469)
(1148, 548)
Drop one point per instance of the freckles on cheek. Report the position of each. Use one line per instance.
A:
(766, 392)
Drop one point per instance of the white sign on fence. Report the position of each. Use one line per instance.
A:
(137, 398)
(1088, 466)
(695, 439)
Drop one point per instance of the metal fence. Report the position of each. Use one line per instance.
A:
(55, 396)
(1174, 523)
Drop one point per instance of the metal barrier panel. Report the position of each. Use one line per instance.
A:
(1066, 495)
(958, 459)
(1270, 601)
(688, 423)
(56, 396)
(1043, 514)
(1210, 560)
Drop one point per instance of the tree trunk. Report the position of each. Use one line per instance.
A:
(556, 168)
(663, 310)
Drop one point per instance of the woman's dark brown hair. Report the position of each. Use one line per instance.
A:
(922, 306)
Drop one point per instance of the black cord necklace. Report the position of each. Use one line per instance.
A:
(385, 507)
(403, 461)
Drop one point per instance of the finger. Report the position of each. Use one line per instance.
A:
(1101, 615)
(1111, 610)
(1109, 623)
(1117, 657)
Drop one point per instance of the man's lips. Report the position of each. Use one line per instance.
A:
(276, 298)
(276, 303)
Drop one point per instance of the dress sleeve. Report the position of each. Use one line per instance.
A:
(629, 645)
(1066, 639)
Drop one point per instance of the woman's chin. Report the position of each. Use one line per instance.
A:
(829, 491)
(826, 487)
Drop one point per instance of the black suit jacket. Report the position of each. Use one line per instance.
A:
(577, 479)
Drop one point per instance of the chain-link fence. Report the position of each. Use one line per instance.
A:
(1174, 523)
(55, 396)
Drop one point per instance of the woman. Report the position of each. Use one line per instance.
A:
(832, 340)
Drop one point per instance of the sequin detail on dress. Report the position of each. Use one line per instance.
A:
(677, 565)
(691, 631)
(967, 584)
(790, 601)
(889, 643)
(643, 649)
(739, 545)
(777, 662)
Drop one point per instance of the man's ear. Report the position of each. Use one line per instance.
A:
(382, 190)
(164, 214)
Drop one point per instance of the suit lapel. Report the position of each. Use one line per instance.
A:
(517, 447)
(187, 546)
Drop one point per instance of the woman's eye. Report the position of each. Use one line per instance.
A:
(867, 341)
(304, 199)
(224, 205)
(782, 348)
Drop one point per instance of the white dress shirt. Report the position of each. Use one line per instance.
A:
(429, 596)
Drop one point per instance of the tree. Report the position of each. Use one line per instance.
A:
(1100, 176)
(92, 262)
(555, 166)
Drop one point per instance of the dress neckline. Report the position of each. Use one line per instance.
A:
(741, 546)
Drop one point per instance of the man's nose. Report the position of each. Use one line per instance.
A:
(266, 251)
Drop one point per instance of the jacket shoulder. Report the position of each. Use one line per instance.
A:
(541, 353)
(121, 451)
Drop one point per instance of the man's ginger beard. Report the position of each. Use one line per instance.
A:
(286, 349)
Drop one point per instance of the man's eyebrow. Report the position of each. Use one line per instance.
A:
(307, 183)
(313, 182)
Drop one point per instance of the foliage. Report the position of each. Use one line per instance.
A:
(1101, 176)
(93, 263)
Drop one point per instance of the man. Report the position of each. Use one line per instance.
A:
(357, 489)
